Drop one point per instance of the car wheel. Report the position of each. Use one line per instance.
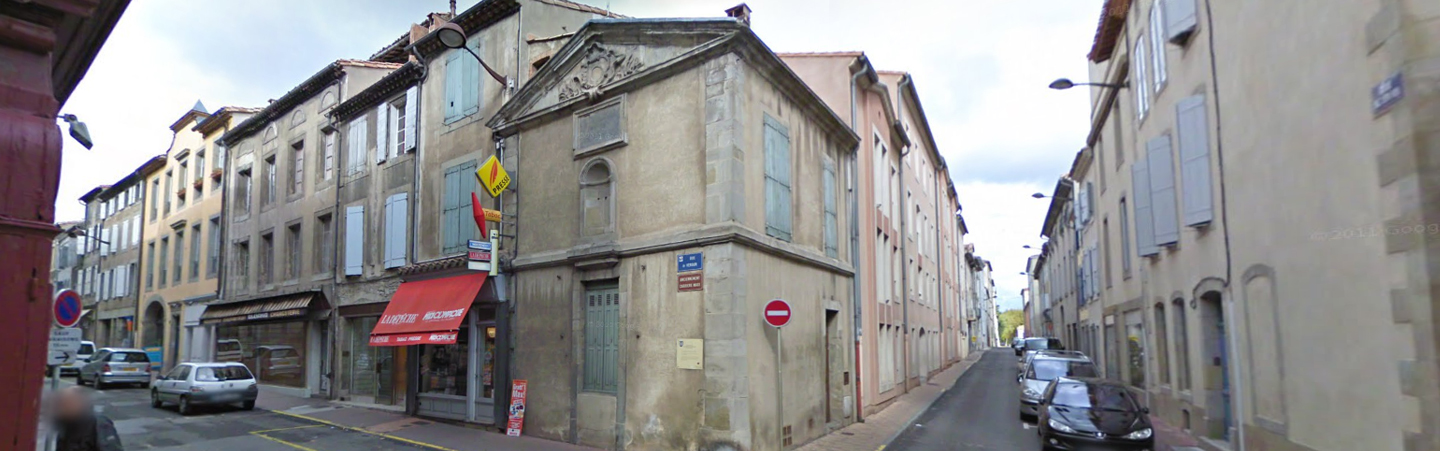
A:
(184, 406)
(247, 405)
(155, 399)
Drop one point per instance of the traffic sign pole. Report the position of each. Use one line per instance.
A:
(777, 314)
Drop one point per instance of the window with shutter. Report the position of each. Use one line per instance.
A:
(1180, 20)
(355, 146)
(602, 337)
(471, 90)
(382, 130)
(1162, 191)
(354, 239)
(328, 168)
(1192, 135)
(832, 248)
(396, 219)
(457, 223)
(778, 215)
(1141, 80)
(297, 167)
(212, 261)
(1144, 227)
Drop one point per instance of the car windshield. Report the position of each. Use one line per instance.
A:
(1087, 396)
(1049, 369)
(87, 349)
(222, 373)
(129, 357)
(1037, 344)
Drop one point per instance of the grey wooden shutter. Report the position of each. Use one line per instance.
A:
(412, 99)
(464, 220)
(354, 239)
(777, 180)
(396, 219)
(382, 130)
(1144, 225)
(1192, 135)
(454, 79)
(1180, 19)
(831, 226)
(355, 146)
(1090, 201)
(1162, 191)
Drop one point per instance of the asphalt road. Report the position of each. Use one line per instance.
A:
(980, 412)
(223, 429)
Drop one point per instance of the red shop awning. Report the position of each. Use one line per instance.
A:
(427, 311)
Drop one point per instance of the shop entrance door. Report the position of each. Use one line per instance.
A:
(373, 370)
(485, 375)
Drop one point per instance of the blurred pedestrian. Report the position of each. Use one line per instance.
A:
(78, 427)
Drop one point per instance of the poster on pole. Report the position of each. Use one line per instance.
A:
(517, 408)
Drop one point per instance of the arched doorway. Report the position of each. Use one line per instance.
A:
(1219, 418)
(153, 327)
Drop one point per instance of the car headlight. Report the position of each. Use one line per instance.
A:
(1056, 425)
(1139, 435)
(1030, 393)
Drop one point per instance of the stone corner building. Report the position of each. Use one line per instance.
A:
(642, 141)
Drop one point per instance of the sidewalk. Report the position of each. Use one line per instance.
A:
(880, 428)
(431, 434)
(1171, 438)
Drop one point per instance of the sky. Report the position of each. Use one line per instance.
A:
(981, 68)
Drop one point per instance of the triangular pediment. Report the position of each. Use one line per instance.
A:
(605, 54)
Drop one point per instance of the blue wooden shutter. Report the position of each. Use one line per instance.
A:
(472, 89)
(412, 99)
(396, 220)
(454, 79)
(831, 226)
(449, 203)
(1192, 135)
(354, 239)
(1144, 227)
(602, 339)
(1162, 190)
(777, 180)
(1180, 19)
(382, 130)
(464, 220)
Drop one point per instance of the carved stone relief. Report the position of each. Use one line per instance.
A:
(602, 65)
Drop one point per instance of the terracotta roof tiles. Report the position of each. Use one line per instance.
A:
(1112, 21)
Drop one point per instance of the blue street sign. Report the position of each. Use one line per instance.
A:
(690, 262)
(479, 245)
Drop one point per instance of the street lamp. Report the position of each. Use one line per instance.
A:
(78, 130)
(453, 37)
(1065, 83)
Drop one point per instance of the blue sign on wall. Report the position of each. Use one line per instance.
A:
(690, 262)
(1386, 94)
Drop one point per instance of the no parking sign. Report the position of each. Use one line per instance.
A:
(67, 308)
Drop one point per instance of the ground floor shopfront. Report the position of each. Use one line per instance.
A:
(434, 350)
(283, 340)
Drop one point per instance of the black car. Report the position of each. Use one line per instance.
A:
(1089, 413)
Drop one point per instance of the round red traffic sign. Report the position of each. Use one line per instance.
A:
(777, 313)
(67, 308)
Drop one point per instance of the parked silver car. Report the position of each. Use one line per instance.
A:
(87, 350)
(196, 384)
(115, 366)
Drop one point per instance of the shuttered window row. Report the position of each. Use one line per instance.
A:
(1163, 203)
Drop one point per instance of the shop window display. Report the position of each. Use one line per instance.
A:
(275, 352)
(443, 367)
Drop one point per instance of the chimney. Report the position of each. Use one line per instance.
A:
(452, 8)
(740, 12)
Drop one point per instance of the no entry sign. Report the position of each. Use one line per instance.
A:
(777, 313)
(67, 308)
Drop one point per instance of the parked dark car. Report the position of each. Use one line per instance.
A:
(1091, 413)
(1018, 345)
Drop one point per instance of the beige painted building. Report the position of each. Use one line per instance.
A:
(109, 269)
(643, 147)
(872, 102)
(180, 266)
(1278, 215)
(275, 302)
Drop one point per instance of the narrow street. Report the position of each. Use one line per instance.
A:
(979, 413)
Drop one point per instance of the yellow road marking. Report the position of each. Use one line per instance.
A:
(282, 442)
(266, 431)
(360, 430)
